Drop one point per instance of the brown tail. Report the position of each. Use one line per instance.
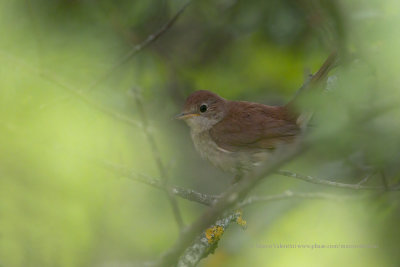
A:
(317, 78)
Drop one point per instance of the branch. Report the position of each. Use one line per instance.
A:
(207, 241)
(194, 196)
(313, 81)
(201, 247)
(156, 155)
(184, 193)
(137, 48)
(227, 201)
(71, 89)
(289, 195)
(84, 98)
(208, 200)
(358, 186)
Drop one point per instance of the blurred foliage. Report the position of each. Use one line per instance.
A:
(60, 207)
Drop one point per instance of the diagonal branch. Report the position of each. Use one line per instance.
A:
(227, 201)
(84, 98)
(206, 242)
(137, 48)
(79, 94)
(203, 246)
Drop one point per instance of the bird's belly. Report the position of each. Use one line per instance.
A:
(228, 161)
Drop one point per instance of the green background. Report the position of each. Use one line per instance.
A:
(60, 205)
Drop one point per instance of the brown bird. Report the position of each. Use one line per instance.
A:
(236, 136)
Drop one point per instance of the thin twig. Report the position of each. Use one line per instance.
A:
(315, 180)
(83, 97)
(157, 158)
(71, 89)
(289, 195)
(313, 81)
(137, 48)
(365, 179)
(122, 171)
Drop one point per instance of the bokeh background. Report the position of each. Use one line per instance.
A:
(61, 205)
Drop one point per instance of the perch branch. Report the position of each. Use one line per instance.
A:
(208, 200)
(181, 192)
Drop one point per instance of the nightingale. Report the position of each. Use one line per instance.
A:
(236, 136)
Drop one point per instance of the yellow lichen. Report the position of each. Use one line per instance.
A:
(213, 234)
(240, 221)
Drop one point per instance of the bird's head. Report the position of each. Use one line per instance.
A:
(202, 110)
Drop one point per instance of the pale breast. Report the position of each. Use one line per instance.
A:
(228, 161)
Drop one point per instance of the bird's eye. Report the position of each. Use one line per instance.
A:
(203, 108)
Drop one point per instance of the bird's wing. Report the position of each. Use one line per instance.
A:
(254, 126)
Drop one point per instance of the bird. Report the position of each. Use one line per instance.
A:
(237, 136)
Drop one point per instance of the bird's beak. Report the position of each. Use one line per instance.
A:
(185, 115)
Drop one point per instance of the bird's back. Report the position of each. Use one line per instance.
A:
(253, 126)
